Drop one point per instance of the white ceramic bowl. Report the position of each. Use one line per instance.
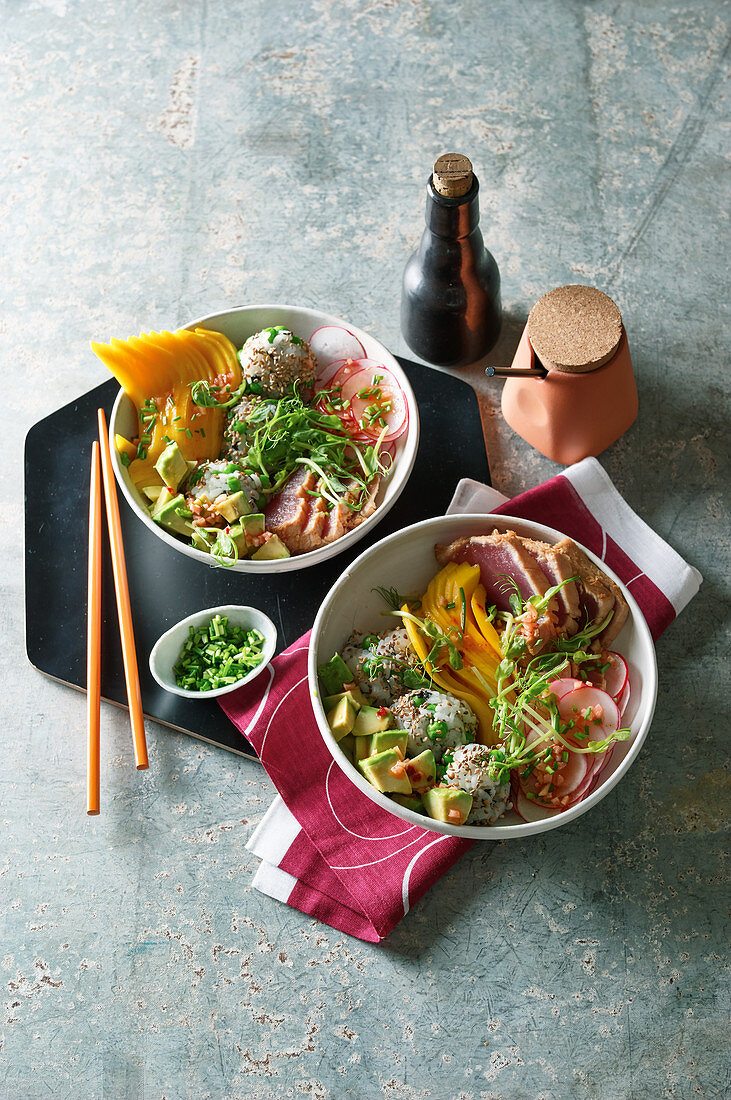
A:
(405, 560)
(166, 649)
(238, 324)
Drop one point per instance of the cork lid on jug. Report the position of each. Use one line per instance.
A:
(574, 329)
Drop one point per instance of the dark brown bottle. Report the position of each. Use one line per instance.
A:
(450, 302)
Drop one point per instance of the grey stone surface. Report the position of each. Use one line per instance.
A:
(162, 160)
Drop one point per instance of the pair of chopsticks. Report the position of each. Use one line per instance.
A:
(101, 471)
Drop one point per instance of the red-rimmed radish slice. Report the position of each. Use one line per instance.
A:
(616, 675)
(623, 699)
(327, 374)
(396, 418)
(562, 687)
(332, 342)
(530, 810)
(603, 721)
(570, 776)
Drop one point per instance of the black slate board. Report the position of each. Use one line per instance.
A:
(165, 586)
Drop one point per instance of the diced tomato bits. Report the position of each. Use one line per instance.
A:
(455, 816)
(382, 712)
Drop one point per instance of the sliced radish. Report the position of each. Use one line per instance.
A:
(530, 810)
(570, 776)
(331, 342)
(623, 699)
(562, 687)
(574, 705)
(396, 417)
(616, 675)
(326, 374)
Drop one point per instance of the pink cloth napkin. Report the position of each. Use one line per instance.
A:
(329, 851)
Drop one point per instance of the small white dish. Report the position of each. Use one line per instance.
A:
(166, 649)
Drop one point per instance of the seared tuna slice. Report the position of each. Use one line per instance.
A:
(498, 555)
(288, 512)
(556, 566)
(598, 595)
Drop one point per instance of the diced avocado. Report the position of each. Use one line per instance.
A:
(164, 498)
(347, 745)
(448, 804)
(341, 719)
(361, 749)
(385, 770)
(272, 550)
(125, 447)
(391, 739)
(371, 720)
(152, 492)
(355, 695)
(175, 516)
(232, 507)
(171, 466)
(202, 540)
(422, 770)
(334, 675)
(245, 532)
(410, 802)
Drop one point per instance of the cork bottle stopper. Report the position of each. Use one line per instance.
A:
(574, 329)
(452, 175)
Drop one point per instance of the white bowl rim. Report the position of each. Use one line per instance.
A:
(406, 462)
(270, 645)
(482, 832)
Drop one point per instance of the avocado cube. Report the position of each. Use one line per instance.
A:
(422, 771)
(370, 720)
(391, 739)
(272, 550)
(341, 719)
(448, 804)
(386, 772)
(164, 497)
(152, 492)
(355, 695)
(409, 802)
(171, 466)
(170, 516)
(361, 749)
(231, 507)
(347, 746)
(334, 675)
(202, 540)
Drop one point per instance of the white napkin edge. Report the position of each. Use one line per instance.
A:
(270, 841)
(675, 578)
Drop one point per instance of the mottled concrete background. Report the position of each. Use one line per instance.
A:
(161, 160)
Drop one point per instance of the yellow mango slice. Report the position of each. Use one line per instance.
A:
(452, 681)
(161, 366)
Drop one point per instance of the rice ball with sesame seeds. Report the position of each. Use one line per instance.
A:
(435, 720)
(381, 663)
(243, 422)
(275, 361)
(468, 767)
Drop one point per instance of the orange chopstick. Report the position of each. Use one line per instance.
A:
(93, 633)
(121, 588)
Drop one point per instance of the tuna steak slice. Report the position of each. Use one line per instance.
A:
(498, 555)
(598, 595)
(305, 521)
(556, 565)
